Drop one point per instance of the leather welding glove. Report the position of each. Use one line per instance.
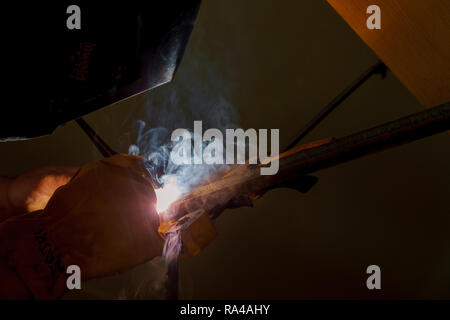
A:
(104, 221)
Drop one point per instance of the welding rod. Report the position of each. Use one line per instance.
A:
(101, 145)
(377, 68)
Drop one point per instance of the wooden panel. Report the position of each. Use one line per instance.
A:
(414, 42)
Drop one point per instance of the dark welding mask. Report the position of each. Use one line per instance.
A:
(64, 59)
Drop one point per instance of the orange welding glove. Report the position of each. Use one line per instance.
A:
(104, 221)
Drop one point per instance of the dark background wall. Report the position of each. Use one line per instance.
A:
(272, 64)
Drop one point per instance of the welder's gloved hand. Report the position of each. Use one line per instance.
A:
(32, 190)
(104, 221)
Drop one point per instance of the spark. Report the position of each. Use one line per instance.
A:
(167, 194)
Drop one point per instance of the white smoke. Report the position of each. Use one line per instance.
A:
(199, 92)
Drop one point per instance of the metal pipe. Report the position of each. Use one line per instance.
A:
(227, 192)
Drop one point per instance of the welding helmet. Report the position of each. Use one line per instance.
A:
(64, 59)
